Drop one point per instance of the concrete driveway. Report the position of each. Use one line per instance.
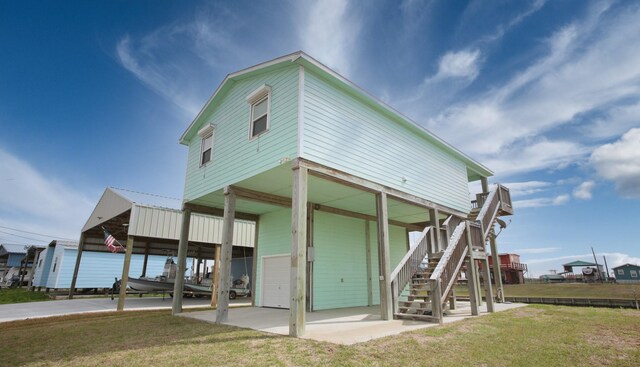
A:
(31, 310)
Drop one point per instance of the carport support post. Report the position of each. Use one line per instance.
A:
(298, 283)
(146, 259)
(386, 301)
(222, 310)
(216, 276)
(183, 246)
(72, 288)
(125, 273)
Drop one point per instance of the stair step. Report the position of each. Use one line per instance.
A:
(418, 304)
(419, 310)
(416, 317)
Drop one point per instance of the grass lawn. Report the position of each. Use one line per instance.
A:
(16, 295)
(530, 336)
(569, 290)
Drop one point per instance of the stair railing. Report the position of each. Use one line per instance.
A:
(409, 264)
(445, 274)
(489, 211)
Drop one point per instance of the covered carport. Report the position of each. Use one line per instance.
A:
(149, 224)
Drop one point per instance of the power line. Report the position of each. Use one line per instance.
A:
(28, 238)
(37, 234)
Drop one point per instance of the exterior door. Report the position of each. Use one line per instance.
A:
(276, 272)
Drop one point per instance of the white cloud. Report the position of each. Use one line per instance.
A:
(583, 191)
(540, 202)
(526, 188)
(459, 64)
(615, 122)
(329, 31)
(51, 206)
(620, 162)
(535, 250)
(550, 93)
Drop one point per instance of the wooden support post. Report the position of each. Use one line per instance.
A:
(435, 223)
(125, 274)
(297, 307)
(367, 239)
(183, 247)
(478, 284)
(471, 283)
(386, 297)
(497, 274)
(254, 265)
(72, 288)
(486, 274)
(146, 259)
(33, 269)
(472, 275)
(452, 300)
(436, 304)
(222, 309)
(310, 249)
(216, 276)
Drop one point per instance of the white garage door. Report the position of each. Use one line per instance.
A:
(275, 281)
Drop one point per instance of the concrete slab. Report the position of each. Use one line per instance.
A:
(341, 326)
(30, 310)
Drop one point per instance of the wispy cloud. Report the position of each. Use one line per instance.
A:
(52, 206)
(540, 202)
(584, 190)
(329, 31)
(535, 250)
(620, 162)
(518, 189)
(550, 93)
(458, 64)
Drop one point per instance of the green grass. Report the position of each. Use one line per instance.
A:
(569, 290)
(530, 336)
(17, 295)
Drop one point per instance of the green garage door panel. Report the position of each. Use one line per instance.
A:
(234, 156)
(274, 238)
(343, 133)
(340, 267)
(397, 246)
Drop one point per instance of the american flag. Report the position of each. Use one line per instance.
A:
(112, 244)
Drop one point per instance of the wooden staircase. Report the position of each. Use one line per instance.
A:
(421, 292)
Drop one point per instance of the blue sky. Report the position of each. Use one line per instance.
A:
(547, 94)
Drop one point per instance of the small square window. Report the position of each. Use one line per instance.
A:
(620, 271)
(207, 146)
(634, 274)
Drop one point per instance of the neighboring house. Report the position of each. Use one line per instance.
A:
(98, 269)
(511, 268)
(627, 273)
(10, 256)
(589, 271)
(336, 181)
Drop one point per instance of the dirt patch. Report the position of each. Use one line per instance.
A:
(609, 338)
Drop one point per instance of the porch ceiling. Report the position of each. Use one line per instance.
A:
(278, 181)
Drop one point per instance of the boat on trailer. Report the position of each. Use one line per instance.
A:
(165, 282)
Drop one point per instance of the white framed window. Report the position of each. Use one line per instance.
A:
(260, 112)
(620, 271)
(206, 145)
(634, 274)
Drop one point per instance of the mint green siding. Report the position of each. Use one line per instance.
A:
(344, 133)
(340, 266)
(274, 238)
(235, 157)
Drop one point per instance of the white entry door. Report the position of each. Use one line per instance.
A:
(276, 272)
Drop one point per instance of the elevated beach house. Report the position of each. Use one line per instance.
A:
(337, 182)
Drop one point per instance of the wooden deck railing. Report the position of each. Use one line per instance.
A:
(488, 212)
(505, 199)
(477, 241)
(409, 264)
